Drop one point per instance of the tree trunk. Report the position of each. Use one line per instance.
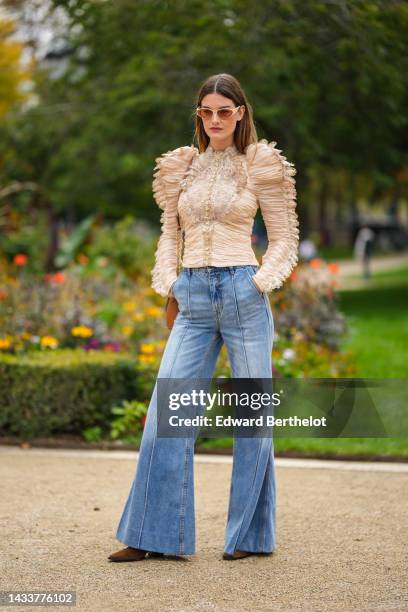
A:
(53, 243)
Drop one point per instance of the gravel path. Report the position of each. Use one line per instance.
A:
(342, 537)
(379, 263)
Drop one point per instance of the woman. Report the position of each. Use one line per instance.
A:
(222, 294)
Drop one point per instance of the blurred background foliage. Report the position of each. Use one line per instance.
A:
(92, 92)
(327, 81)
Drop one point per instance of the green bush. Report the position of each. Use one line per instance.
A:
(63, 391)
(129, 420)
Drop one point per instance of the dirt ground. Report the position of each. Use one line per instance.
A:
(342, 537)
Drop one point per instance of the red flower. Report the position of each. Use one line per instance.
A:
(20, 259)
(57, 277)
(315, 263)
(3, 295)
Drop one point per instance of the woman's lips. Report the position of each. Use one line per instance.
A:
(215, 129)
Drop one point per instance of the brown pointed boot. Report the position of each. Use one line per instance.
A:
(240, 554)
(237, 554)
(128, 554)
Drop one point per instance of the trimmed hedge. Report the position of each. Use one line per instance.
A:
(63, 391)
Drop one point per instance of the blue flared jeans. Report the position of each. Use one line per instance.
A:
(216, 305)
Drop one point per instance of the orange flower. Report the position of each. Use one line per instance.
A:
(293, 276)
(58, 277)
(20, 259)
(315, 263)
(4, 343)
(333, 267)
(3, 295)
(153, 311)
(146, 358)
(83, 259)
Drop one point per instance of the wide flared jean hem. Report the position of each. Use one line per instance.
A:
(149, 542)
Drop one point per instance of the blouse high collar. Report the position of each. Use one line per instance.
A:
(228, 151)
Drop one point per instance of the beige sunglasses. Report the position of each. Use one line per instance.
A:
(223, 113)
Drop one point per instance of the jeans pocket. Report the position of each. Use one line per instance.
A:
(176, 282)
(250, 273)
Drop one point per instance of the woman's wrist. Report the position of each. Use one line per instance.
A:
(171, 294)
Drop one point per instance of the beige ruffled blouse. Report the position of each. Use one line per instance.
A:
(216, 194)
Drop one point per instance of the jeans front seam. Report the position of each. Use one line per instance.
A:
(239, 322)
(189, 296)
(266, 506)
(269, 322)
(183, 502)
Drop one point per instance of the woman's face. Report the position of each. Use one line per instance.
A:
(220, 130)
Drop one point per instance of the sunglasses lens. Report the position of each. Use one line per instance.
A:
(225, 113)
(206, 113)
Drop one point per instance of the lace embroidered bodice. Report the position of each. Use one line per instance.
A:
(216, 194)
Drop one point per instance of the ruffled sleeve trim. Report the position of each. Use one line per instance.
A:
(272, 180)
(168, 173)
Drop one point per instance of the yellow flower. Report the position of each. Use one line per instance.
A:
(138, 316)
(154, 311)
(4, 343)
(129, 306)
(49, 341)
(147, 348)
(127, 330)
(82, 331)
(146, 358)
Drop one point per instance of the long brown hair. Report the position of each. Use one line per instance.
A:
(228, 86)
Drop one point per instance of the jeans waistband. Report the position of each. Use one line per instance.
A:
(216, 269)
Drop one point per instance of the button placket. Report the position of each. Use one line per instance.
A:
(208, 224)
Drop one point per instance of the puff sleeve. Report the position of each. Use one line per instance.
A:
(272, 181)
(168, 172)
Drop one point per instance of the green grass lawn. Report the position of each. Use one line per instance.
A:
(356, 447)
(336, 253)
(378, 336)
(386, 278)
(378, 327)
